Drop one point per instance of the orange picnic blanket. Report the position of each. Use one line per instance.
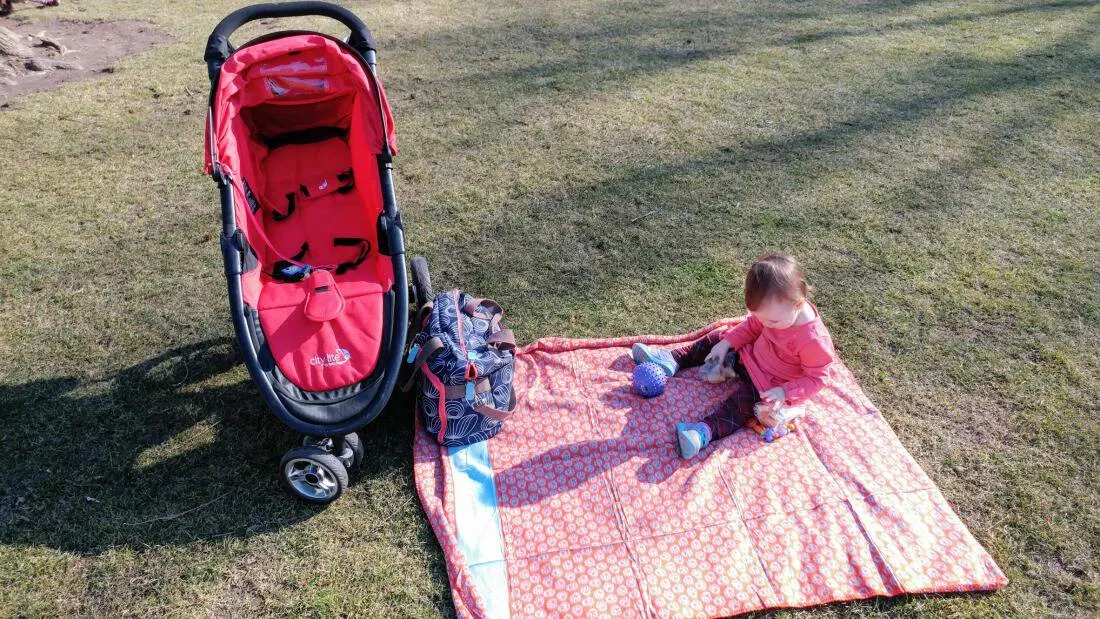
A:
(582, 507)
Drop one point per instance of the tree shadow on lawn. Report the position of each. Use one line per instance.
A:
(581, 217)
(585, 237)
(633, 43)
(168, 451)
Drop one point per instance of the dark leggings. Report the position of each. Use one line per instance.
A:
(736, 410)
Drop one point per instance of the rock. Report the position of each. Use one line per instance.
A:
(36, 64)
(45, 41)
(47, 64)
(11, 44)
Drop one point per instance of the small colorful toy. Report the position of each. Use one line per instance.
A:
(649, 380)
(770, 434)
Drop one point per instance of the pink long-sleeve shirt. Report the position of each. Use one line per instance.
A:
(796, 358)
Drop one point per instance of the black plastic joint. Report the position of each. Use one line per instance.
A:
(213, 69)
(397, 236)
(391, 235)
(216, 174)
(232, 247)
(384, 235)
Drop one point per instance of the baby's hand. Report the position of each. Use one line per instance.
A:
(774, 396)
(770, 407)
(718, 352)
(768, 414)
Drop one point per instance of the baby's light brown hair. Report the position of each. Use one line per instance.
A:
(775, 276)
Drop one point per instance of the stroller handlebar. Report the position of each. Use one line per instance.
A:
(218, 48)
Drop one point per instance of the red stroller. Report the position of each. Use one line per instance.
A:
(300, 141)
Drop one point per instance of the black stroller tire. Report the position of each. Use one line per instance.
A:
(352, 458)
(421, 283)
(355, 446)
(313, 474)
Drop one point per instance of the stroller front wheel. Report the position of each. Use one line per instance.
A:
(313, 474)
(352, 456)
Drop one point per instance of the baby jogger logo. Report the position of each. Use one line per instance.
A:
(340, 357)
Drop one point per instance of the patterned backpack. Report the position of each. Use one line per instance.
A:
(465, 361)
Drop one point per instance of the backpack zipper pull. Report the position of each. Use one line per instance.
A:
(471, 368)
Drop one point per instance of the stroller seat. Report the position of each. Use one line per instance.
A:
(313, 210)
(314, 196)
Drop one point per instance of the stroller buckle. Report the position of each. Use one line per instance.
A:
(470, 395)
(413, 352)
(296, 270)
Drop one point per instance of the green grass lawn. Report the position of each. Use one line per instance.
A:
(615, 165)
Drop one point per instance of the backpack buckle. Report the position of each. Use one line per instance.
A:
(470, 396)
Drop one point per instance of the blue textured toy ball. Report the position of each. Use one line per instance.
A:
(649, 380)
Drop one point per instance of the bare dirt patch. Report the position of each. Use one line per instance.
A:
(41, 55)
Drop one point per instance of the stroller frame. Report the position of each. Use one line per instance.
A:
(336, 440)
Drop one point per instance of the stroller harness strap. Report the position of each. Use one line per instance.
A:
(288, 271)
(257, 226)
(290, 199)
(364, 249)
(283, 268)
(317, 188)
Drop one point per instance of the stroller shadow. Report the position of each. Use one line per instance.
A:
(172, 450)
(567, 467)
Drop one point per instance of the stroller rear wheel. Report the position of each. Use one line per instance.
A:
(421, 283)
(351, 457)
(313, 474)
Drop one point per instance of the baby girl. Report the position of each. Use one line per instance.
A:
(783, 352)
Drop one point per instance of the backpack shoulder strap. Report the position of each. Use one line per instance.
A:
(497, 414)
(471, 308)
(458, 392)
(430, 348)
(422, 315)
(503, 340)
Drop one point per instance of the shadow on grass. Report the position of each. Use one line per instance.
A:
(646, 436)
(638, 41)
(588, 231)
(168, 451)
(565, 468)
